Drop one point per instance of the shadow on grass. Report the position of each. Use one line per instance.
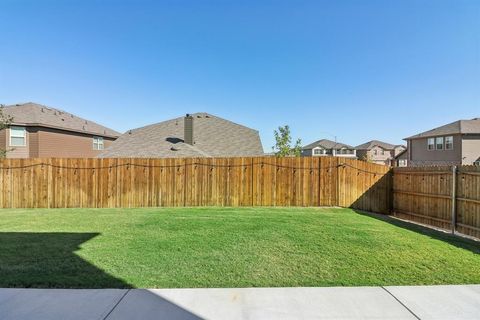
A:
(48, 260)
(460, 242)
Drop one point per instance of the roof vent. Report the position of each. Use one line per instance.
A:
(476, 119)
(43, 110)
(173, 149)
(129, 131)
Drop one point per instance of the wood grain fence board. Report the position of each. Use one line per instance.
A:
(424, 195)
(257, 181)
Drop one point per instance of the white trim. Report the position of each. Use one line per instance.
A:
(23, 136)
(98, 143)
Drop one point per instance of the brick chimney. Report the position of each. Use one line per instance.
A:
(188, 129)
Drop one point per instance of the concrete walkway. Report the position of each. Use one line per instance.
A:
(428, 302)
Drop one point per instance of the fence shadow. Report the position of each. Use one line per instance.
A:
(48, 260)
(378, 197)
(463, 243)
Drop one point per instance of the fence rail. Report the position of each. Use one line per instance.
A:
(248, 181)
(444, 197)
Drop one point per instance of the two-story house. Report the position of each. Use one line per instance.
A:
(325, 147)
(379, 152)
(41, 132)
(457, 143)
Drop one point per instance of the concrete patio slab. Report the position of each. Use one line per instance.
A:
(440, 302)
(66, 304)
(260, 303)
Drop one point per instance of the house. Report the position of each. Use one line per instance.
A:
(401, 159)
(456, 143)
(325, 147)
(195, 135)
(379, 152)
(38, 131)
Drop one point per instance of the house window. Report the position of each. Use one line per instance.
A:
(318, 151)
(18, 136)
(98, 143)
(383, 152)
(375, 152)
(477, 163)
(402, 162)
(449, 143)
(431, 143)
(439, 143)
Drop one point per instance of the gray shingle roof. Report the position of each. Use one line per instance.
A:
(370, 144)
(457, 127)
(33, 114)
(213, 137)
(327, 144)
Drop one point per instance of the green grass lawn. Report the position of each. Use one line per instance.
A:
(225, 247)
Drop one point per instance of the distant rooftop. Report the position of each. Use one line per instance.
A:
(458, 127)
(34, 114)
(213, 137)
(370, 144)
(327, 144)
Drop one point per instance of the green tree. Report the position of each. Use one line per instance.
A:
(5, 121)
(283, 143)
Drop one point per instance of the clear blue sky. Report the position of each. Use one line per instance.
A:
(359, 69)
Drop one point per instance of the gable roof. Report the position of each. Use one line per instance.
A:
(370, 144)
(327, 144)
(213, 137)
(457, 127)
(33, 114)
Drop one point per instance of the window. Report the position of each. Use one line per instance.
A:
(18, 136)
(439, 143)
(431, 143)
(375, 152)
(477, 163)
(383, 152)
(97, 143)
(318, 151)
(402, 162)
(449, 143)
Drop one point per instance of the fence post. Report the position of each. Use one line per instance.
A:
(454, 198)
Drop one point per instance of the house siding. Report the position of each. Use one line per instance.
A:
(17, 152)
(470, 149)
(44, 142)
(419, 153)
(59, 143)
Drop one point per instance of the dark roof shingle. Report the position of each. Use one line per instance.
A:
(33, 114)
(457, 127)
(213, 137)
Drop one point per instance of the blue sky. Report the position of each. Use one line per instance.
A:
(360, 70)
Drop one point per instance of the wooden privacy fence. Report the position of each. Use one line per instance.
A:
(248, 181)
(445, 197)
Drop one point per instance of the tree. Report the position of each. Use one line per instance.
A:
(283, 143)
(5, 121)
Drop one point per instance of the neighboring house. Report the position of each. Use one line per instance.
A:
(327, 147)
(457, 143)
(195, 135)
(401, 159)
(379, 152)
(41, 132)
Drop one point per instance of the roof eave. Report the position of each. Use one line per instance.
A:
(64, 129)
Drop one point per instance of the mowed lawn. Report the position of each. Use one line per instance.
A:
(225, 247)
